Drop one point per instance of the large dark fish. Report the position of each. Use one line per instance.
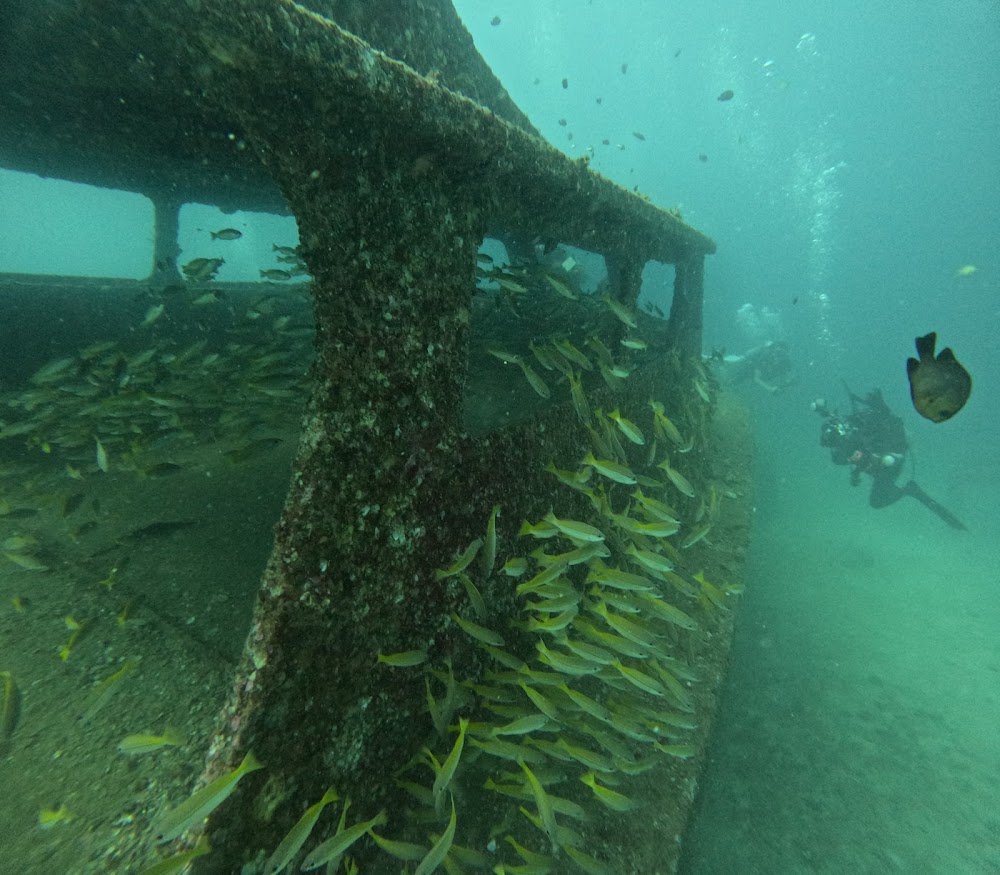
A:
(939, 386)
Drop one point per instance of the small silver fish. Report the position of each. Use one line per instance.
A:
(152, 314)
(276, 275)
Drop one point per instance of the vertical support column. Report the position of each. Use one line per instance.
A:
(378, 471)
(625, 274)
(686, 309)
(166, 249)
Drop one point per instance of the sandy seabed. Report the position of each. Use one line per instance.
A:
(858, 731)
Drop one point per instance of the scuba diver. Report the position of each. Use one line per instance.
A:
(872, 441)
(768, 365)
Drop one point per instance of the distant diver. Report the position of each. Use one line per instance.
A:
(872, 441)
(939, 386)
(769, 366)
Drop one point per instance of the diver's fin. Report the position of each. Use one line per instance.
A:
(914, 490)
(855, 399)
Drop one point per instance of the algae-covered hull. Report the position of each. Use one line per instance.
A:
(500, 591)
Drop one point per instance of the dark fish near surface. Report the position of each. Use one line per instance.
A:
(939, 386)
(72, 502)
(158, 529)
(202, 269)
(20, 513)
(726, 95)
(276, 275)
(163, 469)
(242, 454)
(84, 529)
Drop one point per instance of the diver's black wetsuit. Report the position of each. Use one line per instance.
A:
(873, 441)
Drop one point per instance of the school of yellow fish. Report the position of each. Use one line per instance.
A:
(554, 739)
(133, 406)
(606, 695)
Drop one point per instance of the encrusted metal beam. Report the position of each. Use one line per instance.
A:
(394, 181)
